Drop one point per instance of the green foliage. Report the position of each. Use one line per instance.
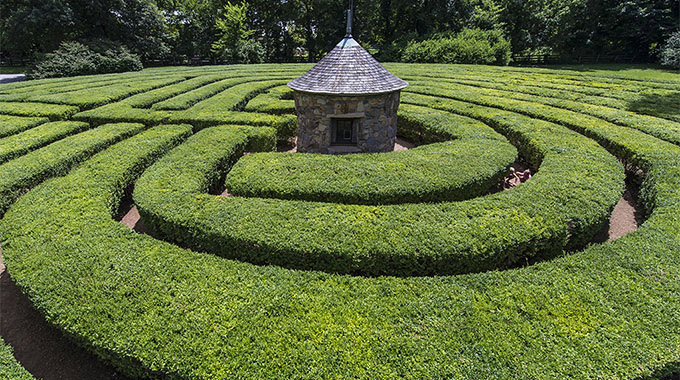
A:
(92, 97)
(386, 238)
(285, 125)
(277, 100)
(293, 30)
(464, 170)
(188, 99)
(28, 27)
(56, 159)
(469, 46)
(153, 309)
(556, 110)
(74, 58)
(670, 54)
(10, 125)
(51, 111)
(16, 145)
(236, 43)
(235, 98)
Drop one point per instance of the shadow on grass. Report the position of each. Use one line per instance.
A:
(665, 106)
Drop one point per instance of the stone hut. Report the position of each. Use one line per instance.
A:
(347, 103)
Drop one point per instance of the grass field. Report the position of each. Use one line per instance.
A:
(365, 267)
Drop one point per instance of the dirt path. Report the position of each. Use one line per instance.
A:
(626, 216)
(39, 347)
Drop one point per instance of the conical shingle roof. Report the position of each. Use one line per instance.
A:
(348, 70)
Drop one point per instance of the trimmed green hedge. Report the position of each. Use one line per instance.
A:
(422, 125)
(285, 125)
(555, 211)
(54, 112)
(236, 97)
(160, 311)
(10, 125)
(93, 97)
(540, 105)
(278, 101)
(449, 171)
(56, 159)
(154, 309)
(188, 99)
(16, 145)
(148, 99)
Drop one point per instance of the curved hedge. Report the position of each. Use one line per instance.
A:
(10, 125)
(555, 211)
(450, 171)
(56, 159)
(156, 310)
(21, 143)
(277, 100)
(219, 319)
(457, 170)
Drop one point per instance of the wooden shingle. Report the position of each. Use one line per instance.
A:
(348, 70)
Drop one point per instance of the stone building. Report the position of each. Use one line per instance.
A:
(347, 103)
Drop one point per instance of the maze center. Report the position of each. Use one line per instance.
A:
(385, 265)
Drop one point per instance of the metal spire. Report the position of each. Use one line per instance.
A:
(349, 19)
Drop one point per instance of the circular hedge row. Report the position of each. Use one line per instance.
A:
(157, 310)
(538, 220)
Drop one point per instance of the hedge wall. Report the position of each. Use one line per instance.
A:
(609, 311)
(557, 210)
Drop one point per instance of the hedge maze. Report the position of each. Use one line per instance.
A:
(375, 266)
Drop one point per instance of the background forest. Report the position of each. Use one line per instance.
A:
(211, 31)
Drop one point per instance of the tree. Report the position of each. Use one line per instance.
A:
(30, 26)
(236, 43)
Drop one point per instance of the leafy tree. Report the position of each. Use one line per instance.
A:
(29, 26)
(236, 43)
(190, 27)
(670, 55)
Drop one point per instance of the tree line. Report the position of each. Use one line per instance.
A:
(304, 30)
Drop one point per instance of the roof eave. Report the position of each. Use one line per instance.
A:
(320, 92)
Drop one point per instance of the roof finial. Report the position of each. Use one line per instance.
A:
(349, 19)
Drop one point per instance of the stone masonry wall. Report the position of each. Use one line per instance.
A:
(377, 116)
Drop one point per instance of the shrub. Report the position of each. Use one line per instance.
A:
(156, 310)
(74, 58)
(37, 137)
(465, 169)
(469, 46)
(278, 100)
(52, 111)
(10, 125)
(190, 98)
(534, 221)
(56, 159)
(670, 54)
(550, 108)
